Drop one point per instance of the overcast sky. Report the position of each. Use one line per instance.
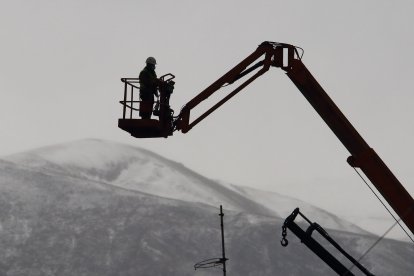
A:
(61, 64)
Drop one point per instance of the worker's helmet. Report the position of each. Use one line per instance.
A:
(151, 60)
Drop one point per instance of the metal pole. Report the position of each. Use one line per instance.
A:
(125, 99)
(222, 240)
(132, 101)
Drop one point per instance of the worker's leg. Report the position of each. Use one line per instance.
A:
(145, 109)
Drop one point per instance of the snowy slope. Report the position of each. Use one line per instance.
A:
(140, 170)
(283, 207)
(53, 223)
(134, 169)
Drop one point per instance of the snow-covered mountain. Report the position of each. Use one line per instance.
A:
(144, 171)
(95, 207)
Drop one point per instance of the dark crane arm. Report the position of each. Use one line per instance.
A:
(307, 239)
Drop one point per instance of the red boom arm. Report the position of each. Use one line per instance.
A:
(362, 155)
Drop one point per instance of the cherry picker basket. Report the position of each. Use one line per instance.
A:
(132, 105)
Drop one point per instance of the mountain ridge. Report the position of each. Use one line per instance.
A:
(138, 169)
(57, 224)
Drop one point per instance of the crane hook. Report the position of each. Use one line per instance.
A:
(284, 242)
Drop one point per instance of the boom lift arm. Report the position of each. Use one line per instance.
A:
(266, 49)
(286, 57)
(362, 155)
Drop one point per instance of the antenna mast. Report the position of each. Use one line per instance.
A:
(216, 261)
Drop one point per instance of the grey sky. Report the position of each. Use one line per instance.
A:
(61, 62)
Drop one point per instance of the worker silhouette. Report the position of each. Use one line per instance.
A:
(148, 88)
